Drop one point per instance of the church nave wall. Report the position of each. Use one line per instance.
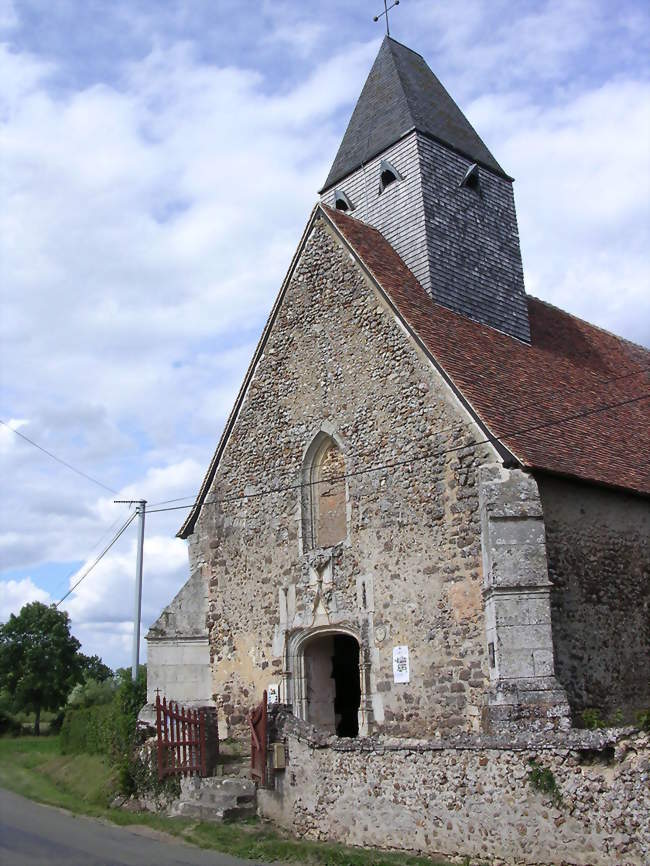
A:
(409, 571)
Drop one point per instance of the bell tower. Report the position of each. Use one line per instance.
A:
(411, 165)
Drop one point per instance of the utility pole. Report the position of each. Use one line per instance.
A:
(137, 606)
(140, 507)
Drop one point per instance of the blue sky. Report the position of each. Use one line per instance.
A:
(160, 160)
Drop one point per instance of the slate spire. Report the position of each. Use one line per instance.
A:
(402, 94)
(411, 165)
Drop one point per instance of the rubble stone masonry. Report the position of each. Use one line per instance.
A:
(470, 797)
(409, 571)
(598, 544)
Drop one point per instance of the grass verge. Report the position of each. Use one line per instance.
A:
(84, 784)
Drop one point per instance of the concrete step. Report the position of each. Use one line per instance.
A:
(238, 813)
(240, 767)
(231, 784)
(221, 799)
(210, 813)
(225, 798)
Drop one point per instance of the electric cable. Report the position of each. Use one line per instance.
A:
(516, 407)
(58, 459)
(398, 463)
(104, 534)
(99, 558)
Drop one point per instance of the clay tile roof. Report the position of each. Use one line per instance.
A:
(545, 401)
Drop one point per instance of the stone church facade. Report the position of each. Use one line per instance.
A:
(427, 516)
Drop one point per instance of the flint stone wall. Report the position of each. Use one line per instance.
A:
(469, 796)
(598, 544)
(409, 570)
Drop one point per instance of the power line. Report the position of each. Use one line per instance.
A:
(99, 558)
(58, 459)
(398, 463)
(516, 407)
(395, 464)
(108, 531)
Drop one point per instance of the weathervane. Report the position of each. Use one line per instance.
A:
(387, 9)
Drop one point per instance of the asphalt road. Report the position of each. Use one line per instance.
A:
(35, 835)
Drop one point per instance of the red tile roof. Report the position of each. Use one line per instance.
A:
(575, 402)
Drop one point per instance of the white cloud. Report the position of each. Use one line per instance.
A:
(107, 594)
(150, 217)
(16, 593)
(582, 194)
(302, 37)
(7, 438)
(101, 608)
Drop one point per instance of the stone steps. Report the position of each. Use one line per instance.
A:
(219, 798)
(210, 813)
(239, 767)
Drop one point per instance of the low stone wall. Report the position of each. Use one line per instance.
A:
(471, 797)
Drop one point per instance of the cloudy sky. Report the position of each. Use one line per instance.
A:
(159, 161)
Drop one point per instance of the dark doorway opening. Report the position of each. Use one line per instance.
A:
(345, 673)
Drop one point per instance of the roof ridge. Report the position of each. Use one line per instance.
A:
(590, 324)
(401, 80)
(403, 45)
(433, 301)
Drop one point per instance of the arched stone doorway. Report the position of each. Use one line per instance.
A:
(327, 682)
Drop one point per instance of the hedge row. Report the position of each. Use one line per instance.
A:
(89, 730)
(110, 729)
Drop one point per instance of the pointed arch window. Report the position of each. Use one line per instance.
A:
(324, 494)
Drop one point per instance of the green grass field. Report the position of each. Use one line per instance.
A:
(34, 767)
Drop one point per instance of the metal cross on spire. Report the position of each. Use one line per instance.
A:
(387, 9)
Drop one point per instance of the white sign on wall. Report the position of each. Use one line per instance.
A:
(272, 693)
(401, 671)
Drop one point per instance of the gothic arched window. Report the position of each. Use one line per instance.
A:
(324, 494)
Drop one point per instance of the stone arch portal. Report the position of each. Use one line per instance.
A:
(328, 682)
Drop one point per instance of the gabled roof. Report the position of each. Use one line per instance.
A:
(401, 93)
(546, 402)
(576, 402)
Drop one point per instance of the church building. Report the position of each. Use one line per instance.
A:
(428, 513)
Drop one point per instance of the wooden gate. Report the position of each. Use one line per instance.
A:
(257, 722)
(182, 740)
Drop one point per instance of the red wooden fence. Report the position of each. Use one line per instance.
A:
(257, 722)
(182, 740)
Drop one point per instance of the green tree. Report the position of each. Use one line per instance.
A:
(95, 669)
(39, 659)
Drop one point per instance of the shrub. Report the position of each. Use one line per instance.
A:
(8, 724)
(92, 693)
(86, 730)
(108, 725)
(57, 722)
(617, 718)
(643, 720)
(592, 719)
(542, 779)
